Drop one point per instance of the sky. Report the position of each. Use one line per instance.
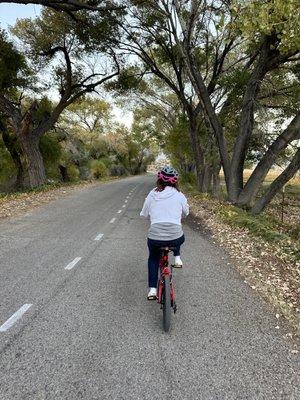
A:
(9, 13)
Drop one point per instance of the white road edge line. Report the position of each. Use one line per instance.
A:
(14, 318)
(119, 212)
(73, 263)
(99, 237)
(112, 220)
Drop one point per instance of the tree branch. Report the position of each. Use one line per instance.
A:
(277, 184)
(71, 5)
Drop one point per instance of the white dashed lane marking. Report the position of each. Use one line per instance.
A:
(14, 318)
(112, 220)
(99, 237)
(119, 212)
(73, 263)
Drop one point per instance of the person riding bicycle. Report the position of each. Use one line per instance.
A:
(165, 205)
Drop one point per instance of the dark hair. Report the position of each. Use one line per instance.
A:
(160, 185)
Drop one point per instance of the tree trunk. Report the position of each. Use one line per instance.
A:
(292, 132)
(197, 81)
(32, 161)
(277, 184)
(197, 150)
(216, 186)
(207, 178)
(11, 145)
(246, 124)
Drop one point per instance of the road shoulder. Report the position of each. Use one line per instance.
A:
(274, 279)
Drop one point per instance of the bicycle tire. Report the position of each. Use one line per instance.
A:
(166, 304)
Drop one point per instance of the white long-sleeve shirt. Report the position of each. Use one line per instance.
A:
(165, 210)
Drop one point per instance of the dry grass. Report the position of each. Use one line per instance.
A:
(273, 174)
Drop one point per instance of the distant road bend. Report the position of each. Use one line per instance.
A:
(75, 322)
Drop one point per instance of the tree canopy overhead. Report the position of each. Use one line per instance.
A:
(219, 76)
(72, 7)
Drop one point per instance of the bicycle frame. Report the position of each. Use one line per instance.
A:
(165, 270)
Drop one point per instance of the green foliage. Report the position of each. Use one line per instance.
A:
(13, 68)
(256, 18)
(53, 38)
(44, 108)
(188, 178)
(179, 148)
(73, 173)
(51, 152)
(7, 167)
(129, 80)
(98, 169)
(261, 225)
(293, 190)
(50, 148)
(90, 114)
(264, 226)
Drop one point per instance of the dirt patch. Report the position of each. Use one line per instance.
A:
(262, 264)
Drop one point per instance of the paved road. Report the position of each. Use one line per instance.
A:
(90, 333)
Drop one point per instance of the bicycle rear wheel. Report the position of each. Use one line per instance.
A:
(166, 304)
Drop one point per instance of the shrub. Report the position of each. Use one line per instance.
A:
(117, 170)
(98, 169)
(188, 177)
(260, 225)
(7, 167)
(73, 173)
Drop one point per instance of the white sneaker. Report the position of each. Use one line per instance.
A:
(152, 293)
(178, 262)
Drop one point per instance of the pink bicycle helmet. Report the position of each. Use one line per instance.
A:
(168, 174)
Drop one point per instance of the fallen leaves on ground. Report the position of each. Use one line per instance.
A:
(264, 266)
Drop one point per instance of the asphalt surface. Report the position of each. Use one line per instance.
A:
(90, 333)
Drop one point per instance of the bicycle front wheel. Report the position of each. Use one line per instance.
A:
(166, 304)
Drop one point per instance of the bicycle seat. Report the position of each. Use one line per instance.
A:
(167, 248)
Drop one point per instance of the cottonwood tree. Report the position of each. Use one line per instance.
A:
(150, 37)
(216, 40)
(14, 76)
(267, 41)
(71, 61)
(89, 118)
(146, 36)
(164, 117)
(131, 148)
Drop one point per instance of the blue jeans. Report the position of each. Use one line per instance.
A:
(154, 255)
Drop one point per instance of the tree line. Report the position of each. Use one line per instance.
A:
(214, 82)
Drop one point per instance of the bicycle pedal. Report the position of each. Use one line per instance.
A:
(176, 266)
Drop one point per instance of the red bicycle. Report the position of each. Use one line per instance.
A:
(165, 288)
